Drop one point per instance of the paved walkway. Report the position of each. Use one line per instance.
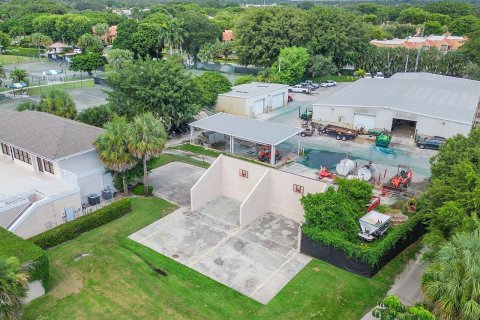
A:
(407, 286)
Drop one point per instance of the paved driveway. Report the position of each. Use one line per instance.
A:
(174, 180)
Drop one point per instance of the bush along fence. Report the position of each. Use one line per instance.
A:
(364, 260)
(27, 253)
(74, 228)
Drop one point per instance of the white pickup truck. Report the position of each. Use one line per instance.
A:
(300, 89)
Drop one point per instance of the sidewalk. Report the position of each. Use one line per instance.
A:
(407, 285)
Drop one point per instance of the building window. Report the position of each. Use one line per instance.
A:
(5, 149)
(48, 166)
(22, 156)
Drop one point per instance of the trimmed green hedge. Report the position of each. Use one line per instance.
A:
(12, 245)
(371, 253)
(74, 228)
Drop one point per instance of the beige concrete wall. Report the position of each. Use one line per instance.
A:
(232, 105)
(256, 204)
(235, 186)
(7, 216)
(48, 215)
(208, 187)
(283, 200)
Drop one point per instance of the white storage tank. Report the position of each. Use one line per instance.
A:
(345, 167)
(367, 172)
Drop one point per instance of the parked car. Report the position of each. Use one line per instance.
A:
(328, 83)
(311, 83)
(305, 85)
(77, 50)
(430, 143)
(300, 89)
(379, 75)
(368, 75)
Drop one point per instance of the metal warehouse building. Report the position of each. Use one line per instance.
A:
(252, 99)
(411, 103)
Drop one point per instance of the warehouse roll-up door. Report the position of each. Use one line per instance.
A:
(277, 100)
(258, 106)
(363, 121)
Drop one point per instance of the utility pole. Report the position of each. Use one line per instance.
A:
(419, 49)
(406, 64)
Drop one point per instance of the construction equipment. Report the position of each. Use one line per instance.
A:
(401, 180)
(307, 115)
(373, 225)
(340, 133)
(309, 128)
(383, 140)
(264, 154)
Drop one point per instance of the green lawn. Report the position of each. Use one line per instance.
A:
(198, 150)
(88, 83)
(9, 59)
(167, 158)
(116, 282)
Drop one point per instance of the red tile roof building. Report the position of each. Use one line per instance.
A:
(443, 43)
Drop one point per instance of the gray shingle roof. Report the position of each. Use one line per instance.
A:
(46, 135)
(253, 89)
(437, 96)
(247, 128)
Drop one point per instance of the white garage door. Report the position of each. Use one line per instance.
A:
(277, 100)
(258, 106)
(363, 121)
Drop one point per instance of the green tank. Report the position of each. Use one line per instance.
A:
(383, 140)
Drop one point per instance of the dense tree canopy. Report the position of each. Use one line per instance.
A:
(291, 65)
(162, 87)
(209, 85)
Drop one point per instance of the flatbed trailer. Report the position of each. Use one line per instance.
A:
(340, 133)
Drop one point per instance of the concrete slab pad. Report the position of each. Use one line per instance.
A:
(174, 180)
(257, 261)
(276, 228)
(224, 209)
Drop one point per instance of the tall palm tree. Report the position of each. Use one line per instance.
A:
(13, 288)
(113, 148)
(172, 33)
(2, 73)
(147, 139)
(451, 284)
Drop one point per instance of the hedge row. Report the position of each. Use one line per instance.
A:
(371, 253)
(74, 228)
(13, 246)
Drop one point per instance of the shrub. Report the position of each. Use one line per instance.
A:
(138, 190)
(13, 246)
(73, 229)
(369, 253)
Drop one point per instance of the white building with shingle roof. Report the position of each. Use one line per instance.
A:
(48, 169)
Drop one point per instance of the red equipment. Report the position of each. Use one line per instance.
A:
(374, 202)
(401, 180)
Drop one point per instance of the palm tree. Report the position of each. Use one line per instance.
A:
(59, 103)
(40, 40)
(19, 75)
(172, 32)
(451, 284)
(113, 148)
(101, 30)
(147, 138)
(13, 288)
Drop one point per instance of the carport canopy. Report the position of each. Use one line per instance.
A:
(248, 129)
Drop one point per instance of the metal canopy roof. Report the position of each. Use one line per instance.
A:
(247, 128)
(431, 95)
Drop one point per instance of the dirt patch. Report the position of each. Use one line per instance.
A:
(70, 285)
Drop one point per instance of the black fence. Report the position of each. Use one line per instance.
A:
(226, 68)
(340, 258)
